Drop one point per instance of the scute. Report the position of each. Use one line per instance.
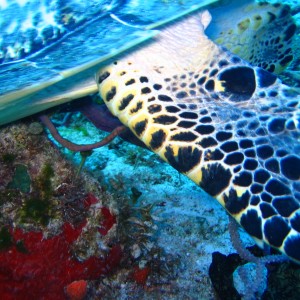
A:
(54, 48)
(239, 83)
(30, 26)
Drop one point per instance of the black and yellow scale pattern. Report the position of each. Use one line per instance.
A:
(232, 128)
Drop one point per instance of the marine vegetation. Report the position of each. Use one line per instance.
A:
(43, 221)
(68, 229)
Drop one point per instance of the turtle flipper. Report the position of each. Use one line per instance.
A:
(232, 128)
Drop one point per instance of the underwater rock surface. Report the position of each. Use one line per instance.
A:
(47, 217)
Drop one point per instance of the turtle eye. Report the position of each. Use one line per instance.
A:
(238, 83)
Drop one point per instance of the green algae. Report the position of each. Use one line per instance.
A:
(21, 179)
(36, 194)
(83, 130)
(37, 210)
(43, 181)
(38, 207)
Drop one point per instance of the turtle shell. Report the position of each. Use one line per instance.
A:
(52, 47)
(30, 26)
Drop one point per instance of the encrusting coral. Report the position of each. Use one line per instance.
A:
(46, 213)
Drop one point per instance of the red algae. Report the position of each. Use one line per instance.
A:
(108, 218)
(108, 221)
(89, 200)
(140, 275)
(45, 267)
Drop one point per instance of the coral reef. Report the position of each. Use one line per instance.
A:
(48, 218)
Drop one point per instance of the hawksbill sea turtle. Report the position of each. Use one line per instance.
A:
(231, 127)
